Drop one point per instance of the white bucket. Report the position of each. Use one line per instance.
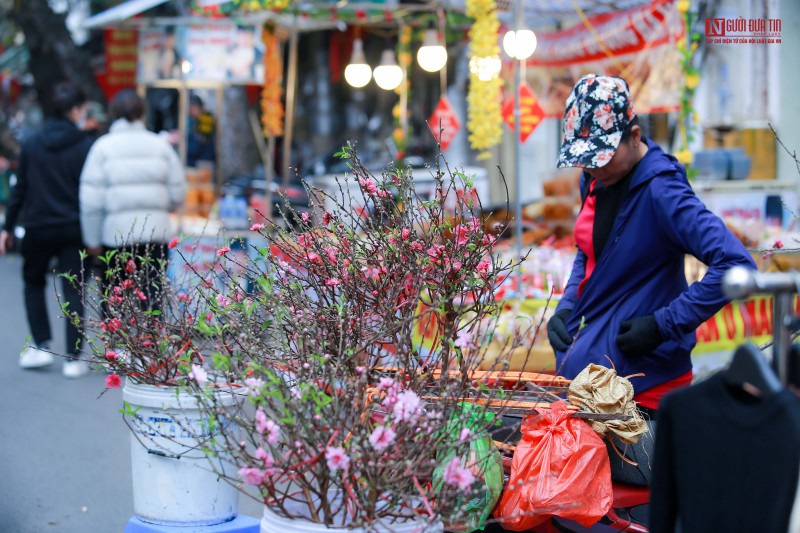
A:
(173, 482)
(274, 523)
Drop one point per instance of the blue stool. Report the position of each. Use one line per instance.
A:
(240, 524)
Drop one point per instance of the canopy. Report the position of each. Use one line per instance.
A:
(120, 12)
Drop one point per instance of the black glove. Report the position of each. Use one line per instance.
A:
(557, 333)
(639, 336)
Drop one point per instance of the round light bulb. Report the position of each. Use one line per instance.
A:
(358, 73)
(431, 56)
(388, 75)
(520, 44)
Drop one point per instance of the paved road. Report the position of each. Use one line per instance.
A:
(64, 452)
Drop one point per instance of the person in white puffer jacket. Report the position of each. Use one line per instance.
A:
(131, 181)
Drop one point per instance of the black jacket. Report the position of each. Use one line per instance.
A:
(48, 177)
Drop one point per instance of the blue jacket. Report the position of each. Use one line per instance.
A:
(641, 272)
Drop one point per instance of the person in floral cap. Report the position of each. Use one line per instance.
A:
(627, 302)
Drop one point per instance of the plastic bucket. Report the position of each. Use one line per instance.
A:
(274, 523)
(173, 482)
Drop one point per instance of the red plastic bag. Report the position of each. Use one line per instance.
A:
(560, 468)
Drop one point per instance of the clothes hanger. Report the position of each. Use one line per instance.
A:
(749, 367)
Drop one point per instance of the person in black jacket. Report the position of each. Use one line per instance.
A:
(45, 203)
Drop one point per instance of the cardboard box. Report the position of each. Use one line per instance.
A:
(713, 138)
(760, 144)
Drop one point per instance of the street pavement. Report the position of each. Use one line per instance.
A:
(64, 448)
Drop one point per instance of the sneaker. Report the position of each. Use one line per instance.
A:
(75, 369)
(35, 358)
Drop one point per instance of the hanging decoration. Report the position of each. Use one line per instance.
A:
(272, 94)
(687, 46)
(485, 120)
(400, 110)
(232, 6)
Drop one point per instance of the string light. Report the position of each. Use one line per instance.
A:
(358, 73)
(432, 56)
(388, 75)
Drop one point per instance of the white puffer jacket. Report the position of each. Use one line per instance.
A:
(131, 180)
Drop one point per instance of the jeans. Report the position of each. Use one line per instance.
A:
(39, 247)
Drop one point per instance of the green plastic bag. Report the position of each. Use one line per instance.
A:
(472, 509)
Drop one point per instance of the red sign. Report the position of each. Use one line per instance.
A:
(531, 113)
(444, 121)
(121, 47)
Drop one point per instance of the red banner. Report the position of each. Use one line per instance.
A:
(121, 47)
(639, 44)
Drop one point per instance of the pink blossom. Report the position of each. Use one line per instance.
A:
(126, 284)
(337, 458)
(314, 257)
(173, 243)
(224, 250)
(256, 227)
(332, 282)
(112, 325)
(183, 297)
(223, 301)
(463, 339)
(304, 216)
(251, 476)
(417, 246)
(464, 435)
(331, 254)
(383, 194)
(386, 384)
(382, 437)
(130, 266)
(113, 381)
(461, 234)
(112, 356)
(435, 252)
(777, 244)
(265, 456)
(457, 475)
(368, 186)
(305, 240)
(457, 266)
(371, 272)
(483, 265)
(141, 296)
(404, 233)
(488, 240)
(253, 386)
(198, 374)
(265, 425)
(407, 407)
(326, 218)
(209, 317)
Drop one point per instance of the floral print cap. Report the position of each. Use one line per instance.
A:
(597, 111)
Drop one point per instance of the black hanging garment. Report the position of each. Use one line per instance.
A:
(725, 460)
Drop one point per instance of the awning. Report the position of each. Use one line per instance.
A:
(120, 12)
